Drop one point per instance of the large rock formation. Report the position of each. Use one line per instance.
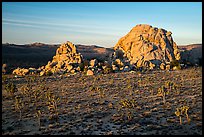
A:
(148, 46)
(66, 60)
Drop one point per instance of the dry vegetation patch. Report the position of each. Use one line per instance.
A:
(118, 103)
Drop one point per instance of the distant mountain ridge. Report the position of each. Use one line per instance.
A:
(190, 46)
(191, 54)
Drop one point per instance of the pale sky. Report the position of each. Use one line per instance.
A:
(97, 23)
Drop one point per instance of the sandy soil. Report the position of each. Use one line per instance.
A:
(92, 105)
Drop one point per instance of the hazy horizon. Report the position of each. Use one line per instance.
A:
(97, 23)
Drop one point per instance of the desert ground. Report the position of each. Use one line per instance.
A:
(124, 103)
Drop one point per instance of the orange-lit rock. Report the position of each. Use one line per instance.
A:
(145, 43)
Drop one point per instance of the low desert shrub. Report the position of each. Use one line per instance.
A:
(175, 64)
(11, 88)
(4, 79)
(127, 108)
(107, 70)
(181, 111)
(48, 73)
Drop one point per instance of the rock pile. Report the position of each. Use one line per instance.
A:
(119, 62)
(147, 46)
(93, 67)
(23, 71)
(66, 60)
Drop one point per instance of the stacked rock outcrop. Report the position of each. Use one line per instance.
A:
(66, 60)
(147, 46)
(22, 71)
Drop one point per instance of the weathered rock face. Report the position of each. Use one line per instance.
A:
(148, 46)
(65, 60)
(67, 53)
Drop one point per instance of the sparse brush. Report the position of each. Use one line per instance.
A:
(178, 114)
(30, 79)
(19, 105)
(48, 95)
(162, 91)
(48, 73)
(82, 66)
(38, 115)
(129, 106)
(33, 79)
(128, 103)
(175, 64)
(11, 88)
(152, 92)
(27, 91)
(111, 81)
(130, 115)
(185, 109)
(4, 79)
(53, 106)
(169, 85)
(176, 88)
(181, 111)
(107, 70)
(94, 88)
(102, 94)
(91, 88)
(37, 94)
(139, 82)
(129, 86)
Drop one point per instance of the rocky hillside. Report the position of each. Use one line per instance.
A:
(29, 55)
(94, 52)
(191, 54)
